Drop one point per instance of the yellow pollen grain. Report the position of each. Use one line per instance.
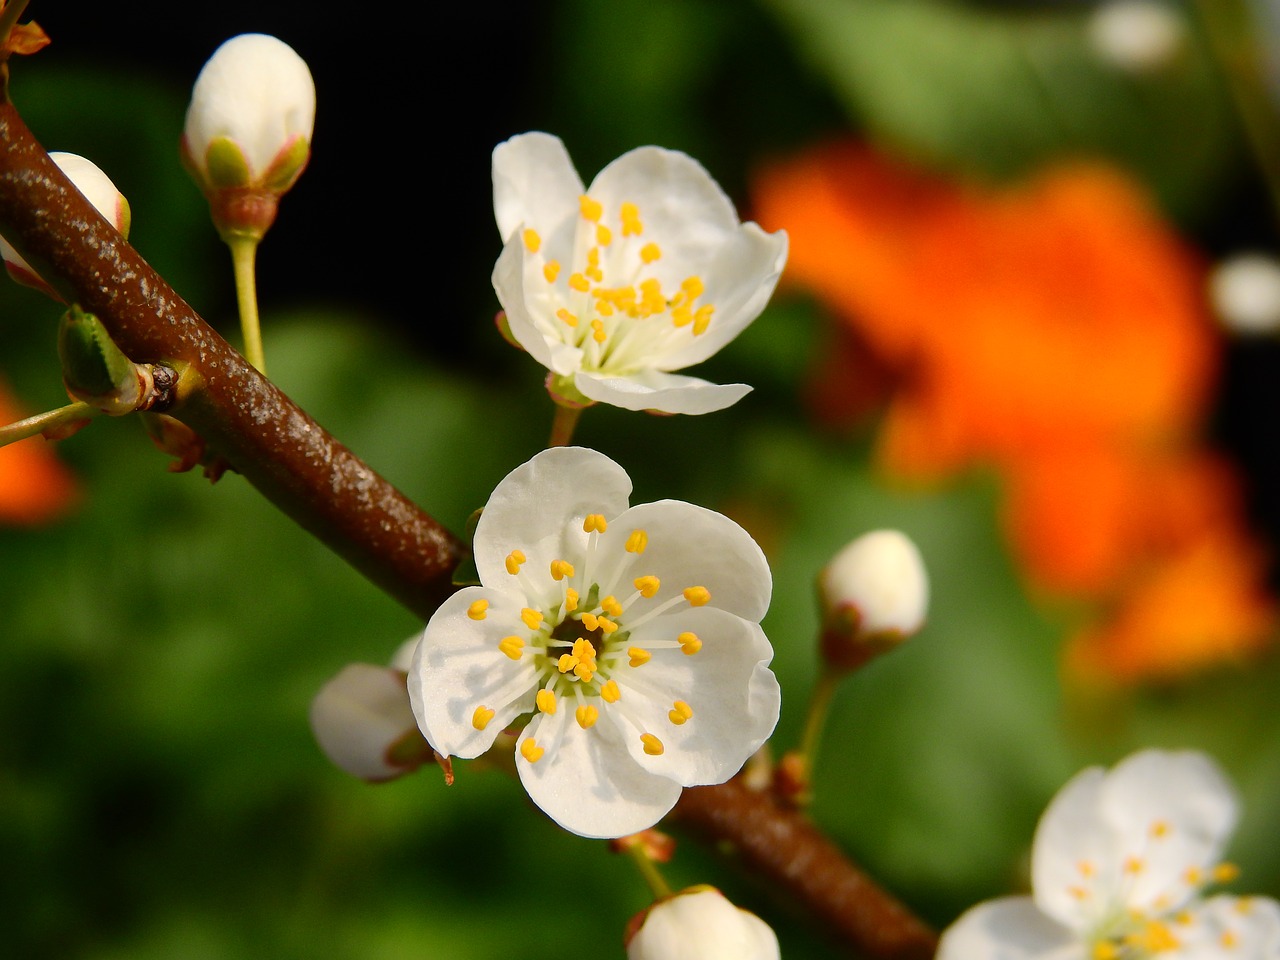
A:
(648, 586)
(567, 318)
(1105, 950)
(551, 270)
(681, 315)
(680, 713)
(1157, 938)
(586, 715)
(593, 265)
(650, 252)
(1134, 865)
(597, 331)
(514, 559)
(546, 701)
(1194, 876)
(639, 656)
(1078, 893)
(566, 662)
(591, 209)
(532, 618)
(530, 750)
(480, 719)
(689, 643)
(590, 621)
(702, 320)
(1229, 940)
(1160, 829)
(697, 596)
(570, 600)
(611, 606)
(652, 745)
(1225, 872)
(1086, 868)
(513, 647)
(532, 241)
(692, 287)
(561, 569)
(578, 282)
(637, 542)
(595, 523)
(604, 236)
(610, 692)
(478, 610)
(631, 225)
(606, 626)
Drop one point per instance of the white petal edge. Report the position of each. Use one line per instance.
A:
(534, 183)
(1010, 928)
(660, 392)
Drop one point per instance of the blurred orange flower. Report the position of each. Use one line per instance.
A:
(35, 487)
(1055, 330)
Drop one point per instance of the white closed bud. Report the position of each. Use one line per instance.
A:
(364, 724)
(1245, 293)
(701, 924)
(1137, 36)
(248, 131)
(97, 189)
(874, 594)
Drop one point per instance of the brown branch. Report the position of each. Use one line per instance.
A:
(782, 847)
(327, 490)
(238, 412)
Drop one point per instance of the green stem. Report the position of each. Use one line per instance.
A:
(815, 721)
(244, 253)
(49, 420)
(649, 870)
(562, 427)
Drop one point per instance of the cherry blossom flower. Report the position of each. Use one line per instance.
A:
(1119, 865)
(622, 642)
(701, 924)
(615, 286)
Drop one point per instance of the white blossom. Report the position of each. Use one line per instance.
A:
(97, 189)
(615, 286)
(1119, 866)
(1245, 293)
(622, 641)
(701, 924)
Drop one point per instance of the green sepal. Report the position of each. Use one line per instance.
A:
(287, 165)
(94, 369)
(225, 164)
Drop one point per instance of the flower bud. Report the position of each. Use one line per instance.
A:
(248, 131)
(700, 924)
(874, 594)
(97, 189)
(1245, 293)
(364, 724)
(1138, 36)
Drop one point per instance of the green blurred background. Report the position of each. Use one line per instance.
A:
(160, 793)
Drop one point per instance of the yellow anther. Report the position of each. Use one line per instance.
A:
(514, 559)
(1160, 829)
(637, 542)
(595, 523)
(566, 662)
(652, 745)
(591, 209)
(1157, 938)
(578, 282)
(597, 331)
(532, 618)
(1079, 893)
(650, 252)
(1184, 918)
(530, 750)
(1244, 906)
(681, 315)
(567, 318)
(1086, 868)
(1134, 865)
(551, 270)
(1105, 950)
(1194, 876)
(606, 626)
(647, 586)
(604, 236)
(692, 287)
(651, 299)
(532, 241)
(590, 621)
(631, 225)
(546, 701)
(611, 606)
(1229, 940)
(570, 600)
(593, 265)
(702, 319)
(680, 712)
(561, 569)
(689, 643)
(512, 647)
(639, 656)
(610, 692)
(697, 596)
(480, 719)
(478, 610)
(586, 715)
(1225, 872)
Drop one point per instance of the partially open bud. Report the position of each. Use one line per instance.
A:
(248, 130)
(97, 189)
(874, 594)
(364, 724)
(700, 924)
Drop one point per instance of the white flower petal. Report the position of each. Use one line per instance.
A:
(547, 498)
(359, 716)
(701, 924)
(651, 389)
(589, 784)
(508, 283)
(534, 183)
(1011, 928)
(1229, 928)
(458, 667)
